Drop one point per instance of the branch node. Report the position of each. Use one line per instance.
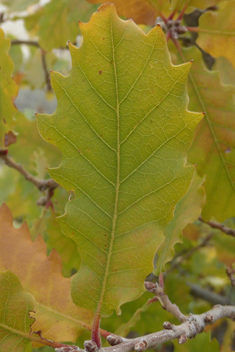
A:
(68, 349)
(182, 339)
(217, 306)
(41, 201)
(167, 325)
(208, 318)
(150, 286)
(114, 339)
(141, 346)
(90, 346)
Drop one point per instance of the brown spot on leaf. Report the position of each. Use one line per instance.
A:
(9, 138)
(100, 72)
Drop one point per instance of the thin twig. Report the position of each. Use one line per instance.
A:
(208, 295)
(42, 185)
(230, 273)
(194, 325)
(219, 226)
(46, 72)
(35, 43)
(180, 259)
(2, 20)
(26, 42)
(165, 301)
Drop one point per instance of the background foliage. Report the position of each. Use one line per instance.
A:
(41, 259)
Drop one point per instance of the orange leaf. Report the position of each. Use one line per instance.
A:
(56, 315)
(141, 11)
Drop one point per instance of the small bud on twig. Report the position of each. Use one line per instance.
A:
(141, 346)
(150, 286)
(167, 325)
(182, 339)
(90, 346)
(208, 318)
(114, 339)
(68, 349)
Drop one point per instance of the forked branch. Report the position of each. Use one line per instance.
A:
(190, 326)
(194, 325)
(42, 185)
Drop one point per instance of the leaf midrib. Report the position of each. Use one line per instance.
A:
(68, 317)
(215, 32)
(100, 302)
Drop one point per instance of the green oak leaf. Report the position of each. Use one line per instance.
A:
(226, 70)
(59, 22)
(123, 128)
(18, 5)
(187, 211)
(8, 90)
(213, 147)
(15, 308)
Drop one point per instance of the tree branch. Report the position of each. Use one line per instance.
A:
(33, 43)
(46, 72)
(208, 295)
(219, 226)
(42, 185)
(26, 42)
(194, 325)
(190, 326)
(164, 300)
(230, 273)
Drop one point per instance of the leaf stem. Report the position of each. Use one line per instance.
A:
(163, 17)
(182, 12)
(193, 29)
(95, 335)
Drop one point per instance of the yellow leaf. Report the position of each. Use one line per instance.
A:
(217, 31)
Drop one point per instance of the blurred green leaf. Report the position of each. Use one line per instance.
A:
(8, 90)
(15, 308)
(187, 211)
(213, 147)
